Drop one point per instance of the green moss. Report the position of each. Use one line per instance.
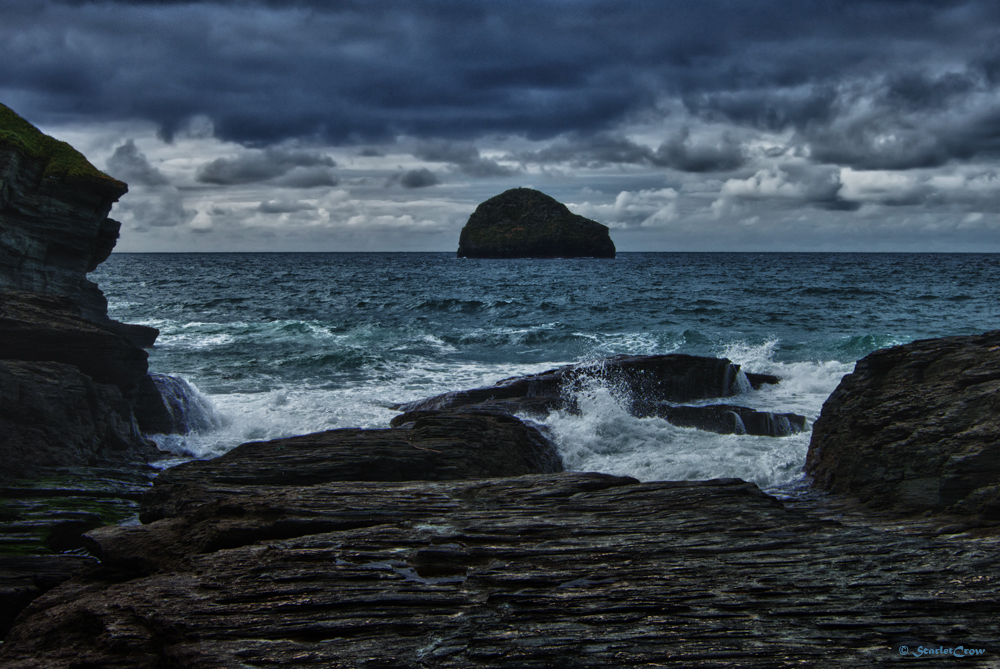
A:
(62, 160)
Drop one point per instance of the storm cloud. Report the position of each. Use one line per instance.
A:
(707, 113)
(292, 167)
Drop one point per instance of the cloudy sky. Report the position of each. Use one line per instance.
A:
(367, 125)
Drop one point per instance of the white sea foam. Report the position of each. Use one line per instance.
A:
(301, 409)
(604, 437)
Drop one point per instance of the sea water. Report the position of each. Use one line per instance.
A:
(282, 344)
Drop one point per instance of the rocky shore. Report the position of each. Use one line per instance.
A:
(75, 396)
(454, 537)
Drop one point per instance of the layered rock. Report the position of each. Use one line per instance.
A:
(70, 377)
(647, 385)
(525, 223)
(52, 415)
(42, 521)
(569, 570)
(54, 225)
(916, 428)
(438, 446)
(41, 328)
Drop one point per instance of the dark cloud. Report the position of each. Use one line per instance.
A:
(591, 151)
(448, 68)
(284, 207)
(162, 208)
(297, 168)
(130, 165)
(419, 178)
(682, 153)
(870, 84)
(463, 155)
(154, 201)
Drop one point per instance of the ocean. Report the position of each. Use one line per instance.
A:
(280, 344)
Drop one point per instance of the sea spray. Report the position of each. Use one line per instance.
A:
(284, 344)
(603, 436)
(189, 409)
(600, 434)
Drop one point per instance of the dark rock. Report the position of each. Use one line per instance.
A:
(170, 405)
(731, 419)
(53, 215)
(151, 412)
(50, 328)
(758, 381)
(524, 223)
(916, 428)
(43, 516)
(649, 385)
(68, 373)
(643, 380)
(439, 446)
(52, 415)
(24, 577)
(568, 570)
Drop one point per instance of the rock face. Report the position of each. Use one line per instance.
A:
(71, 379)
(524, 223)
(52, 415)
(648, 385)
(916, 428)
(42, 328)
(54, 225)
(67, 385)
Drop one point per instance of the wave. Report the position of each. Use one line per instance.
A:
(604, 437)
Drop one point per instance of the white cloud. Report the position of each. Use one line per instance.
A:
(645, 208)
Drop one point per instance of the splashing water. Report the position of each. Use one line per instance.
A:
(284, 344)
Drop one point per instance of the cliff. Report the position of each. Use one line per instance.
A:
(525, 223)
(74, 390)
(54, 225)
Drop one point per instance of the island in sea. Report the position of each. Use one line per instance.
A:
(526, 223)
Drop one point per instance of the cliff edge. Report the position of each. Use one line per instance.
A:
(525, 223)
(54, 225)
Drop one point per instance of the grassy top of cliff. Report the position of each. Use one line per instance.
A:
(61, 159)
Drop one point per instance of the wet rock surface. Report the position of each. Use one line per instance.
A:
(42, 522)
(52, 415)
(50, 328)
(525, 223)
(566, 570)
(438, 446)
(916, 428)
(648, 385)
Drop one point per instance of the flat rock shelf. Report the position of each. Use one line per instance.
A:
(567, 569)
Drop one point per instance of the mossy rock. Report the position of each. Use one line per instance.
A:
(526, 223)
(61, 160)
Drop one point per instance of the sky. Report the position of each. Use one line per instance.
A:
(379, 125)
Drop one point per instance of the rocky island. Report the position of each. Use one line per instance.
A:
(525, 223)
